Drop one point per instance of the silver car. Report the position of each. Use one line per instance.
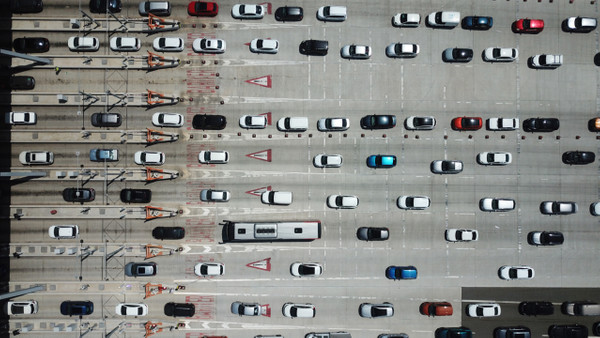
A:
(246, 309)
(496, 204)
(36, 157)
(342, 202)
(446, 167)
(558, 208)
(168, 44)
(211, 46)
(333, 124)
(413, 202)
(247, 11)
(402, 50)
(498, 54)
(461, 235)
(264, 46)
(212, 195)
(356, 52)
(420, 122)
(328, 160)
(125, 44)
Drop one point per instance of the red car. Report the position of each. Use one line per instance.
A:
(436, 309)
(467, 123)
(528, 26)
(201, 8)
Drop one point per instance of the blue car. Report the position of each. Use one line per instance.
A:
(381, 161)
(453, 332)
(101, 155)
(478, 22)
(76, 308)
(401, 272)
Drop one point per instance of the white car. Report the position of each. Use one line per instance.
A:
(546, 61)
(406, 20)
(461, 235)
(292, 124)
(333, 124)
(298, 310)
(299, 269)
(167, 120)
(213, 156)
(212, 46)
(595, 209)
(402, 50)
(498, 54)
(125, 44)
(413, 202)
(420, 123)
(581, 24)
(23, 307)
(499, 123)
(205, 269)
(494, 158)
(496, 204)
(149, 158)
(342, 201)
(368, 310)
(36, 157)
(246, 309)
(356, 52)
(332, 13)
(483, 310)
(253, 121)
(247, 11)
(20, 117)
(264, 46)
(63, 231)
(212, 195)
(276, 197)
(446, 167)
(328, 160)
(508, 272)
(83, 44)
(131, 309)
(558, 208)
(444, 19)
(168, 44)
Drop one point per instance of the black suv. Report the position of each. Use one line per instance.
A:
(541, 124)
(31, 45)
(99, 6)
(536, 308)
(26, 6)
(168, 232)
(106, 120)
(209, 122)
(289, 13)
(21, 82)
(136, 195)
(314, 47)
(578, 157)
(180, 309)
(76, 308)
(79, 194)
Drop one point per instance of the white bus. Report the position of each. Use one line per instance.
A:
(271, 231)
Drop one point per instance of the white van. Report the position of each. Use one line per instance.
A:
(328, 335)
(444, 19)
(332, 13)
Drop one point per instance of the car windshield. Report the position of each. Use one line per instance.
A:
(306, 269)
(375, 233)
(17, 309)
(377, 311)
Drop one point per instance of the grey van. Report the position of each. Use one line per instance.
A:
(160, 8)
(328, 335)
(585, 308)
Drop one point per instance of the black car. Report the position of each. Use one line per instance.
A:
(106, 120)
(76, 308)
(168, 232)
(314, 47)
(457, 55)
(545, 238)
(378, 122)
(136, 195)
(512, 332)
(31, 45)
(286, 13)
(569, 330)
(209, 122)
(596, 329)
(79, 194)
(541, 124)
(372, 234)
(578, 157)
(478, 22)
(180, 309)
(100, 6)
(536, 308)
(26, 6)
(21, 82)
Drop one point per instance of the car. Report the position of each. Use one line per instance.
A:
(31, 45)
(413, 202)
(292, 310)
(328, 160)
(500, 123)
(406, 20)
(140, 269)
(578, 157)
(378, 121)
(246, 309)
(276, 197)
(212, 195)
(596, 328)
(292, 124)
(499, 54)
(401, 272)
(314, 47)
(527, 25)
(445, 19)
(483, 310)
(568, 330)
(594, 124)
(333, 124)
(457, 55)
(21, 82)
(478, 22)
(512, 332)
(213, 156)
(402, 50)
(131, 309)
(541, 124)
(332, 13)
(545, 238)
(355, 52)
(207, 269)
(536, 308)
(433, 309)
(105, 6)
(496, 204)
(508, 272)
(247, 11)
(467, 123)
(149, 158)
(580, 308)
(210, 46)
(558, 208)
(179, 309)
(595, 209)
(76, 308)
(369, 310)
(453, 332)
(168, 44)
(420, 122)
(253, 121)
(106, 119)
(83, 44)
(446, 167)
(167, 120)
(381, 161)
(36, 157)
(209, 122)
(63, 231)
(23, 307)
(79, 194)
(160, 8)
(168, 233)
(342, 201)
(578, 24)
(26, 6)
(461, 235)
(125, 44)
(104, 155)
(136, 195)
(494, 158)
(289, 13)
(393, 335)
(267, 46)
(299, 269)
(20, 117)
(372, 234)
(546, 61)
(203, 8)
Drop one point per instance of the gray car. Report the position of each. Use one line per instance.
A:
(140, 269)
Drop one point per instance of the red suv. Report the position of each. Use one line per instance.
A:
(202, 8)
(436, 309)
(467, 123)
(528, 26)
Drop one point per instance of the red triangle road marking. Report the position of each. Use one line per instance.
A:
(263, 81)
(258, 191)
(263, 264)
(263, 155)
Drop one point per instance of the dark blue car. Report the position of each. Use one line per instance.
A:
(453, 332)
(76, 308)
(381, 161)
(401, 272)
(478, 22)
